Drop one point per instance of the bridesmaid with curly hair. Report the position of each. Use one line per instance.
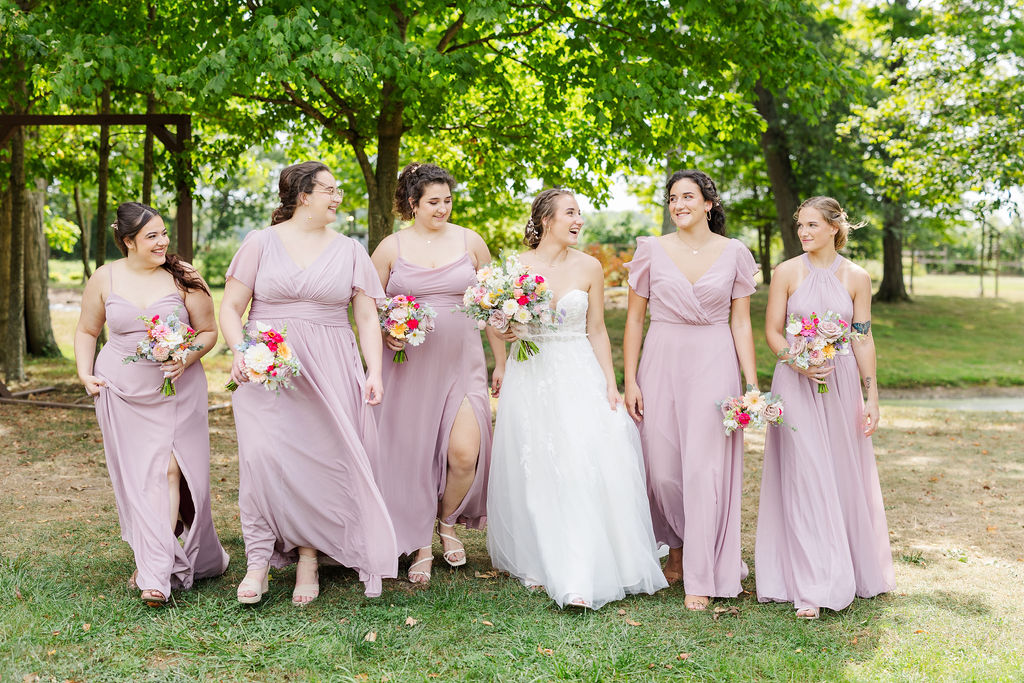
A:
(435, 429)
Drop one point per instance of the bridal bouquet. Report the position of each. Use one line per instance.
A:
(505, 295)
(268, 358)
(752, 409)
(165, 340)
(817, 340)
(407, 319)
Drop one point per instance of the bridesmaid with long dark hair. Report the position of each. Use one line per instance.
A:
(306, 486)
(435, 429)
(822, 537)
(157, 447)
(698, 285)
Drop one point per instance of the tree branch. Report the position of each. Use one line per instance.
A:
(496, 36)
(450, 34)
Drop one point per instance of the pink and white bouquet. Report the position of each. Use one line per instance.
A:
(406, 319)
(166, 339)
(268, 358)
(752, 409)
(817, 340)
(507, 295)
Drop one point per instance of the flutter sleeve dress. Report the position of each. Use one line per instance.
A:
(305, 475)
(689, 362)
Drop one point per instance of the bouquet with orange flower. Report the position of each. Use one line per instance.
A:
(406, 319)
(167, 339)
(507, 294)
(817, 340)
(268, 358)
(752, 409)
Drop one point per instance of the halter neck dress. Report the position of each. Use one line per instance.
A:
(822, 536)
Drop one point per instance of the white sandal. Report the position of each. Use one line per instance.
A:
(257, 587)
(446, 553)
(419, 572)
(306, 590)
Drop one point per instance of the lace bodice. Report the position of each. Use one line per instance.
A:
(570, 320)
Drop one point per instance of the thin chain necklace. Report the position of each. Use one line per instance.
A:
(428, 241)
(688, 246)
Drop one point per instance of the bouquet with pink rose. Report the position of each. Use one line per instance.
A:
(267, 357)
(817, 340)
(752, 409)
(405, 318)
(507, 294)
(167, 339)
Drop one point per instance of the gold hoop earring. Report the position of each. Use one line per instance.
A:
(708, 214)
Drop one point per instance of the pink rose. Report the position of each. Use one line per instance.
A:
(498, 319)
(743, 419)
(772, 413)
(798, 346)
(830, 329)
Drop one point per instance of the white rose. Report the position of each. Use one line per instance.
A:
(258, 357)
(510, 307)
(399, 315)
(262, 327)
(794, 327)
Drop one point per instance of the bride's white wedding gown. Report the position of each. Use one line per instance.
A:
(567, 498)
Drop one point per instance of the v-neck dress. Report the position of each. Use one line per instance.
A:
(305, 477)
(422, 398)
(689, 362)
(822, 536)
(141, 429)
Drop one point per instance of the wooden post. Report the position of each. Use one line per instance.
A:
(183, 185)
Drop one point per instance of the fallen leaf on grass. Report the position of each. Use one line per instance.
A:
(86, 627)
(486, 623)
(370, 637)
(17, 594)
(682, 656)
(854, 641)
(493, 574)
(30, 678)
(991, 528)
(409, 621)
(726, 611)
(920, 630)
(729, 634)
(343, 620)
(622, 612)
(632, 623)
(433, 675)
(362, 677)
(545, 650)
(50, 653)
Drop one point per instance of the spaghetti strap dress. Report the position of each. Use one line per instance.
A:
(141, 429)
(422, 398)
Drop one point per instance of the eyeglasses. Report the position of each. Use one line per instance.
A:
(330, 191)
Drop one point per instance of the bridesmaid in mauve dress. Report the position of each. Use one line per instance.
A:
(698, 284)
(822, 537)
(435, 428)
(157, 447)
(304, 453)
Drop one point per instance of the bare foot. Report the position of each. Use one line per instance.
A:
(673, 570)
(808, 613)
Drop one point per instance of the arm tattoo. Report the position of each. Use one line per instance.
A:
(867, 383)
(862, 328)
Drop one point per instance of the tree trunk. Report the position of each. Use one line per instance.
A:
(385, 176)
(102, 178)
(667, 225)
(892, 287)
(38, 328)
(86, 233)
(764, 242)
(780, 170)
(5, 261)
(14, 342)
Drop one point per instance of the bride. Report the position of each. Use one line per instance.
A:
(567, 498)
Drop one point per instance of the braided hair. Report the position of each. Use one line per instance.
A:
(543, 208)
